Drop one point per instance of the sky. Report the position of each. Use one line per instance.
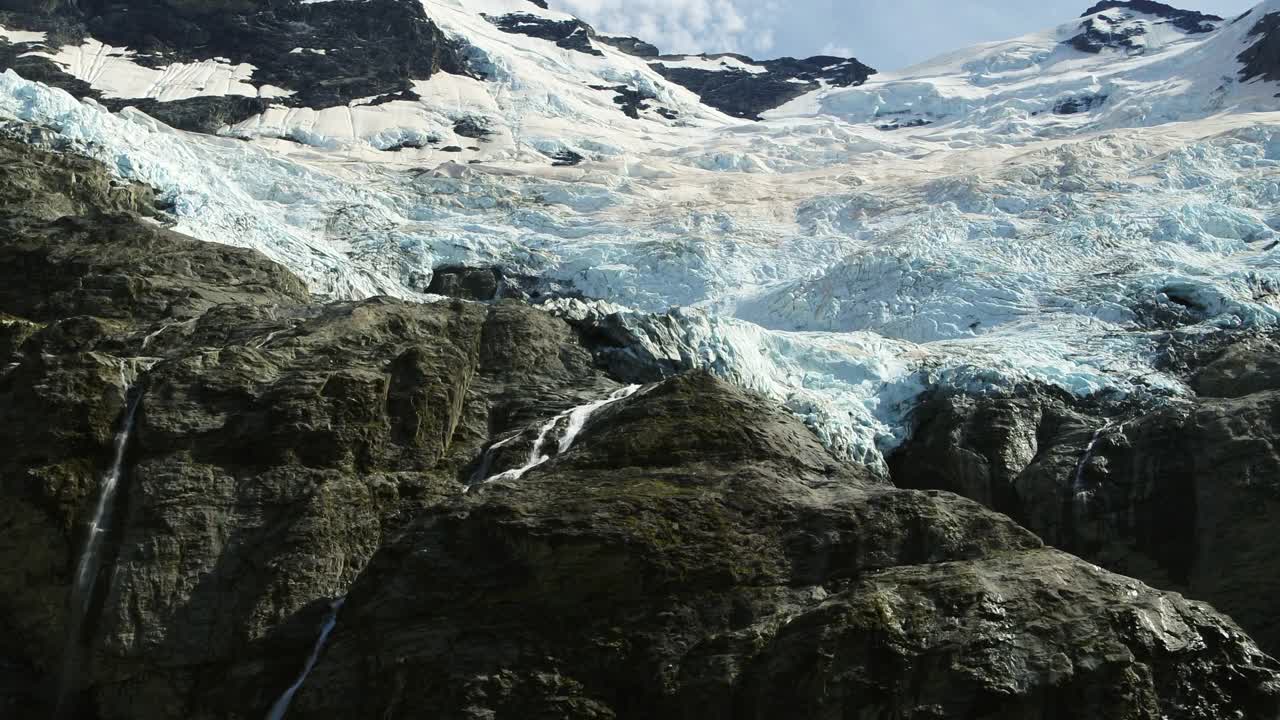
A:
(886, 34)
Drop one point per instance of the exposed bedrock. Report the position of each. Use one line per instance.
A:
(1185, 497)
(689, 550)
(367, 49)
(1262, 58)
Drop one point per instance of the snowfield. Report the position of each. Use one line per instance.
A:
(841, 268)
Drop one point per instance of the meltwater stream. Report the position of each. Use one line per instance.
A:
(90, 562)
(577, 420)
(1077, 482)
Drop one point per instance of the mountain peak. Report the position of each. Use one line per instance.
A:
(1188, 20)
(1128, 28)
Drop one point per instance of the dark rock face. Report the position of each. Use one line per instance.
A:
(744, 94)
(464, 282)
(896, 124)
(630, 45)
(276, 442)
(568, 34)
(472, 127)
(693, 551)
(1184, 497)
(632, 101)
(372, 48)
(1262, 58)
(1189, 21)
(487, 284)
(1122, 33)
(1083, 103)
(565, 158)
(699, 555)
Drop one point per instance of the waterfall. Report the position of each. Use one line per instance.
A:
(91, 556)
(486, 462)
(579, 415)
(577, 418)
(535, 458)
(281, 705)
(90, 562)
(1077, 482)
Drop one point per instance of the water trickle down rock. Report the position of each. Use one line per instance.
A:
(1077, 481)
(89, 565)
(281, 705)
(577, 418)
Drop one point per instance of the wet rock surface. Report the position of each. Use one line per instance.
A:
(688, 550)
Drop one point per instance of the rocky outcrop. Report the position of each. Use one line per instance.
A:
(1182, 496)
(1190, 21)
(1262, 58)
(730, 89)
(1124, 30)
(630, 45)
(275, 443)
(746, 94)
(368, 49)
(680, 549)
(572, 34)
(699, 554)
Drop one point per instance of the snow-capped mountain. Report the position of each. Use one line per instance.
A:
(1124, 64)
(1052, 208)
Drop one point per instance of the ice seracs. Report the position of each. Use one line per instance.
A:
(1058, 218)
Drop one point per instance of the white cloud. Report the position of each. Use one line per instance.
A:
(837, 50)
(685, 26)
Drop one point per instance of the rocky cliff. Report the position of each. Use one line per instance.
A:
(1184, 496)
(509, 542)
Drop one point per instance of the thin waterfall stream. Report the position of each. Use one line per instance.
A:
(577, 418)
(89, 565)
(281, 705)
(1077, 480)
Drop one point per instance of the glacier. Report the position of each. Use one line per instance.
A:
(838, 266)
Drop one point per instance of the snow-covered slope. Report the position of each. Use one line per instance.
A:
(1153, 71)
(1064, 215)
